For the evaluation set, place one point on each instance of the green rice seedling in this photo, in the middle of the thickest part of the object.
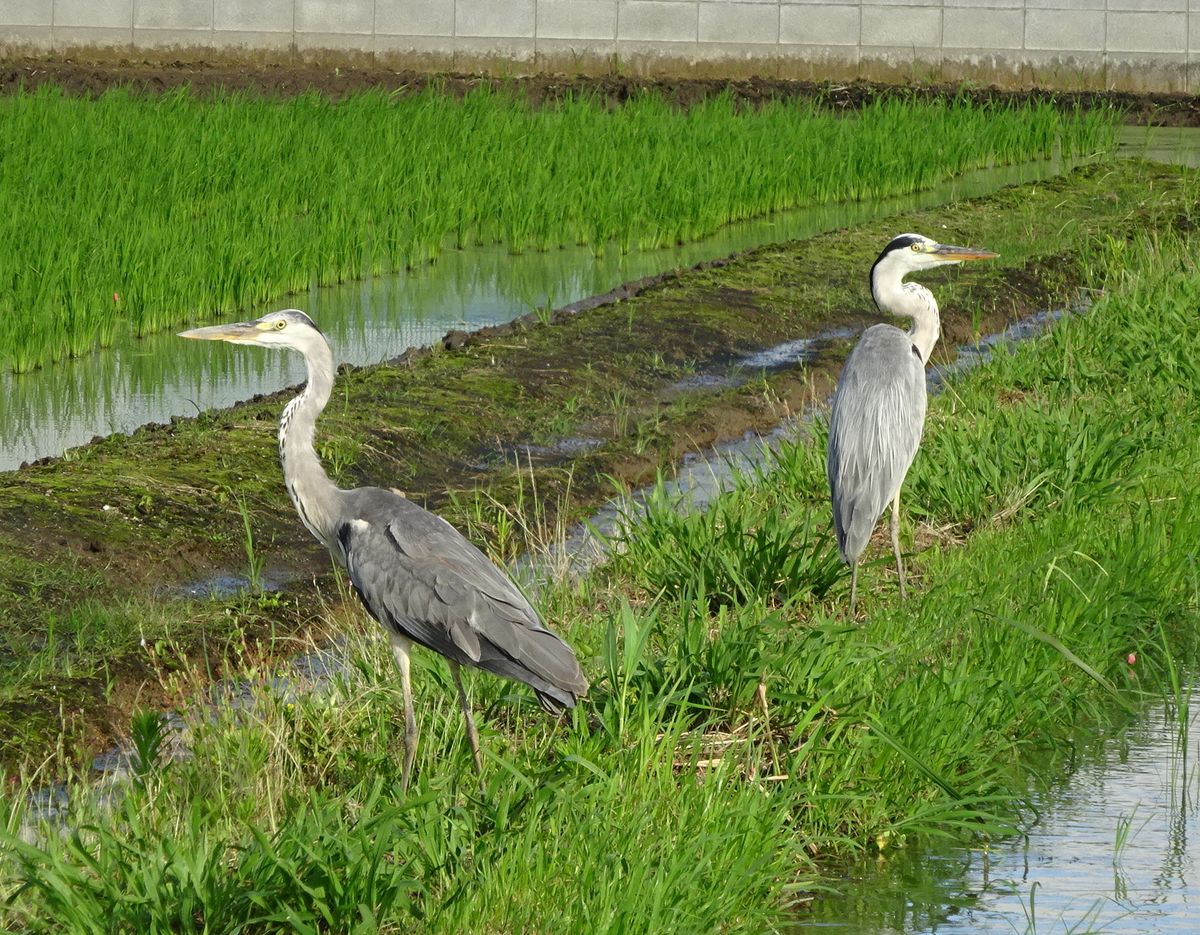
(147, 733)
(185, 208)
(254, 561)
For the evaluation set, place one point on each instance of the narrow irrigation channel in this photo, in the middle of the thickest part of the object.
(1115, 849)
(155, 378)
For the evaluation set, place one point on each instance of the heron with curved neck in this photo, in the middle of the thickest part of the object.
(878, 411)
(415, 573)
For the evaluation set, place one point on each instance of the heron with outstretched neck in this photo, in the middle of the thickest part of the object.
(415, 573)
(879, 405)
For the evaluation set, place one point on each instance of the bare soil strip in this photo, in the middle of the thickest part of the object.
(81, 76)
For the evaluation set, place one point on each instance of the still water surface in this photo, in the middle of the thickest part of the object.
(150, 380)
(1115, 849)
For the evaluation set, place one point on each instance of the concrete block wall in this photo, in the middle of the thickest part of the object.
(1144, 45)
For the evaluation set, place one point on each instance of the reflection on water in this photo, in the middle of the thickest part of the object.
(1116, 849)
(152, 379)
(1177, 145)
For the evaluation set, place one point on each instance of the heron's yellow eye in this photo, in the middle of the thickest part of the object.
(916, 248)
(280, 325)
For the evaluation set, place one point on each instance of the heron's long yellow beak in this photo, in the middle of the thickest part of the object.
(239, 332)
(947, 252)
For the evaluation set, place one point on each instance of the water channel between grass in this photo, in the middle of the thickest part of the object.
(1116, 848)
(139, 381)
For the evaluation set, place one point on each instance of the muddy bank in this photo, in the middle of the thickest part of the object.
(101, 548)
(83, 77)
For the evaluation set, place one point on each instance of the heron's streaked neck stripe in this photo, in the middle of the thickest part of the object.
(926, 325)
(307, 483)
(907, 300)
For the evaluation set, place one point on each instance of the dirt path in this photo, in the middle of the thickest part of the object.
(82, 77)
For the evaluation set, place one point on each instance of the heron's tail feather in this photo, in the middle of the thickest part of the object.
(556, 701)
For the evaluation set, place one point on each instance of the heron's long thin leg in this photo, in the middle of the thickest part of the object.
(896, 542)
(400, 647)
(853, 584)
(465, 702)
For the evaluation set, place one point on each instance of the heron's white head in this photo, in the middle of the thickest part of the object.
(909, 253)
(290, 328)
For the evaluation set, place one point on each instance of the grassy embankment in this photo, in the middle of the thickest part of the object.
(1056, 486)
(95, 549)
(193, 208)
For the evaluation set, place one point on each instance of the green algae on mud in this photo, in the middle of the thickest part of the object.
(125, 523)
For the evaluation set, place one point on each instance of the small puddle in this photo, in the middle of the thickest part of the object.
(150, 380)
(790, 353)
(739, 371)
(1115, 849)
(230, 584)
(559, 450)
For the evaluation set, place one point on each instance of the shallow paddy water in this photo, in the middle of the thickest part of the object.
(1115, 849)
(153, 379)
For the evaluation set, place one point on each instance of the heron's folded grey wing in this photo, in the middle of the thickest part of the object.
(417, 583)
(874, 431)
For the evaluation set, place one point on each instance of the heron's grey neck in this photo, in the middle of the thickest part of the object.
(908, 300)
(310, 488)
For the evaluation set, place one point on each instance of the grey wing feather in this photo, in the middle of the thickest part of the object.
(874, 430)
(420, 577)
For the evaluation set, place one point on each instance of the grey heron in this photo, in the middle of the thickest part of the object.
(415, 573)
(879, 405)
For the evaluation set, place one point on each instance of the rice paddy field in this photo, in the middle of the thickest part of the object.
(143, 213)
(742, 735)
